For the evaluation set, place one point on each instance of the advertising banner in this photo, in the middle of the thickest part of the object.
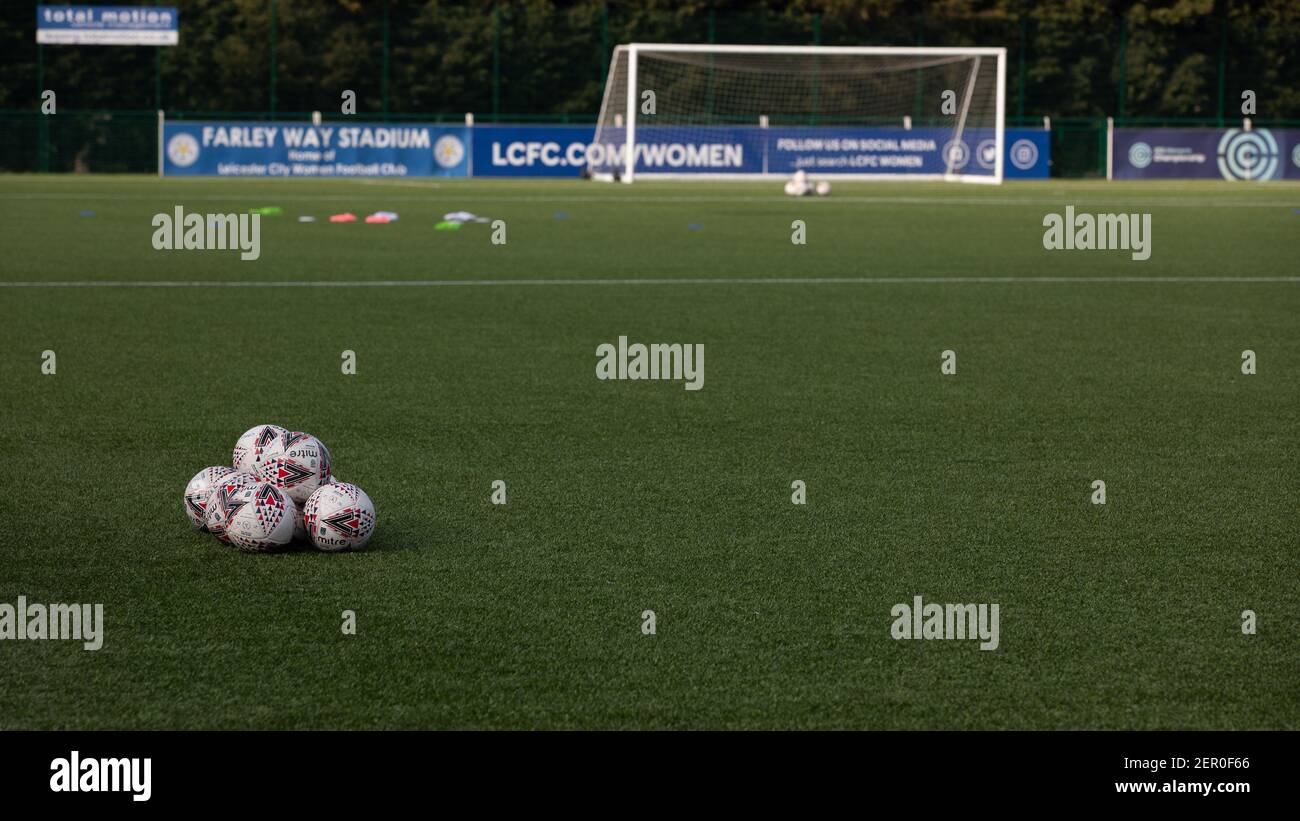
(107, 25)
(876, 151)
(564, 150)
(1206, 154)
(531, 150)
(285, 149)
(346, 149)
(1029, 154)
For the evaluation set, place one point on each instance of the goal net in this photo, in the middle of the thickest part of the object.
(756, 112)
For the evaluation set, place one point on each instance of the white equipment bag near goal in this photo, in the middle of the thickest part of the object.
(674, 111)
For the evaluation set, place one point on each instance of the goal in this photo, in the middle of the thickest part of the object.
(675, 111)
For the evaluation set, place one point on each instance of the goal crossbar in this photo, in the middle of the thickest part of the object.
(707, 100)
(940, 51)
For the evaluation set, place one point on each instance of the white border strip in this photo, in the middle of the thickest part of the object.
(1110, 149)
(162, 122)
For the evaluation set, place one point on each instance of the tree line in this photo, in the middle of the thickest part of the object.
(545, 59)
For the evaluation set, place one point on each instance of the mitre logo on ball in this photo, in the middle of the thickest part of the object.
(301, 465)
(263, 502)
(339, 516)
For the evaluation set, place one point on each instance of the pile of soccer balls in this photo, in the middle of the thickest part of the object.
(281, 488)
(800, 186)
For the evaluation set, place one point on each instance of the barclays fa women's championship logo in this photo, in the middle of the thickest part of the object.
(1248, 155)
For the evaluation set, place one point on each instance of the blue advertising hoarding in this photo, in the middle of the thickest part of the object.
(107, 25)
(346, 149)
(564, 150)
(531, 150)
(1205, 153)
(286, 149)
(873, 151)
(1029, 154)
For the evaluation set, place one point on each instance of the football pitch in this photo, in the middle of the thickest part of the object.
(476, 362)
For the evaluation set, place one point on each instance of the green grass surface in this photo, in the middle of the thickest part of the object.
(627, 496)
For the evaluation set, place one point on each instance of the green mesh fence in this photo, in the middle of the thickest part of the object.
(79, 141)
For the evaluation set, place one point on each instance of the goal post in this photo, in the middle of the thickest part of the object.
(678, 111)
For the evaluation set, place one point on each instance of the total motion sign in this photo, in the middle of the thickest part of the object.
(107, 25)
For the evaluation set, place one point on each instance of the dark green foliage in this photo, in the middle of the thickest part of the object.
(551, 57)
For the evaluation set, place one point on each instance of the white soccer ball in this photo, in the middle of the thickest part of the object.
(198, 491)
(339, 516)
(260, 517)
(258, 443)
(300, 525)
(218, 509)
(301, 465)
(798, 185)
(823, 188)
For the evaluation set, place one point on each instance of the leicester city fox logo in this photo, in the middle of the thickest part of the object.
(448, 151)
(183, 150)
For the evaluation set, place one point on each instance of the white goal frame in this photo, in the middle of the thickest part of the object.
(631, 50)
